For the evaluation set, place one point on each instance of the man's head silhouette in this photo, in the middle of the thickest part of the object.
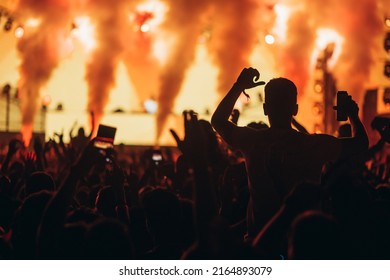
(280, 101)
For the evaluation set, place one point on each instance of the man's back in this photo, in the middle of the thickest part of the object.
(278, 159)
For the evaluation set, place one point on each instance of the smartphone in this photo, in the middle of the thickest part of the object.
(157, 157)
(342, 99)
(105, 137)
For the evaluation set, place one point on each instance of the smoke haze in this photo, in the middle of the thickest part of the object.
(111, 23)
(40, 52)
(235, 29)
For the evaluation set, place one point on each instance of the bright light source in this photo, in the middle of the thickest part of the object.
(283, 13)
(84, 31)
(387, 22)
(325, 37)
(269, 39)
(46, 100)
(19, 32)
(318, 87)
(33, 22)
(150, 106)
(145, 28)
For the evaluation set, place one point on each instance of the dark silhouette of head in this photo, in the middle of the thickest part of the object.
(29, 216)
(108, 239)
(280, 102)
(81, 132)
(315, 236)
(163, 213)
(39, 181)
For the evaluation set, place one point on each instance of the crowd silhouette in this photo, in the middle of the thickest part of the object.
(225, 192)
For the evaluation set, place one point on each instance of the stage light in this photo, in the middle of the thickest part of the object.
(329, 43)
(317, 109)
(33, 22)
(145, 28)
(386, 70)
(6, 89)
(46, 100)
(386, 43)
(387, 21)
(59, 107)
(8, 24)
(318, 88)
(150, 106)
(19, 32)
(386, 96)
(84, 31)
(269, 39)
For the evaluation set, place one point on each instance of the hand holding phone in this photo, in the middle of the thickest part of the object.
(341, 107)
(105, 137)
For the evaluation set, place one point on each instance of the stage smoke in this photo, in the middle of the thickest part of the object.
(142, 66)
(111, 24)
(295, 54)
(40, 50)
(359, 22)
(234, 35)
(183, 24)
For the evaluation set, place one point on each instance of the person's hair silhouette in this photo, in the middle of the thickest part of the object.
(280, 102)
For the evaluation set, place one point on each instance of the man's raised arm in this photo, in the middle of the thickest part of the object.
(248, 78)
(359, 142)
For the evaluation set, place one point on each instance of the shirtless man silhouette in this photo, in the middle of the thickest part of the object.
(279, 157)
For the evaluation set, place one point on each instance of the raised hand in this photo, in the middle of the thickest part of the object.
(352, 108)
(194, 144)
(13, 146)
(249, 78)
(30, 160)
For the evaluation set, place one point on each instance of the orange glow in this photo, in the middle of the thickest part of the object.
(27, 134)
(318, 88)
(387, 22)
(282, 15)
(46, 100)
(33, 22)
(326, 36)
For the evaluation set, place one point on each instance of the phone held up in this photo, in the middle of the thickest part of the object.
(105, 137)
(342, 100)
(157, 157)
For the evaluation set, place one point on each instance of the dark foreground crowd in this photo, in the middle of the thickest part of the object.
(205, 199)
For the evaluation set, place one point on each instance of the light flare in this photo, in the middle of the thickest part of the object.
(33, 22)
(283, 13)
(269, 39)
(27, 130)
(326, 36)
(19, 32)
(84, 32)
